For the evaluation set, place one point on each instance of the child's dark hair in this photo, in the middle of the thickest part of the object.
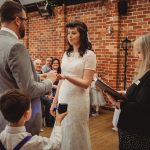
(13, 104)
(84, 41)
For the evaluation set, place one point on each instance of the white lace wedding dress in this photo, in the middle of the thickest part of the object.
(75, 127)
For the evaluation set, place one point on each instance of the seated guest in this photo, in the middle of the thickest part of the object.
(38, 68)
(47, 67)
(49, 119)
(45, 100)
(56, 67)
(16, 109)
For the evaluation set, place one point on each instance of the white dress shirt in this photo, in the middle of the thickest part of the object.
(11, 136)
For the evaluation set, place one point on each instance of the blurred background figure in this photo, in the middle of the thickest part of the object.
(47, 67)
(115, 119)
(57, 67)
(38, 68)
(49, 119)
(96, 97)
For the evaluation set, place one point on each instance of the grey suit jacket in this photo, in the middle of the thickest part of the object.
(17, 71)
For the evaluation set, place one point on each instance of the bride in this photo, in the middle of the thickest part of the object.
(78, 66)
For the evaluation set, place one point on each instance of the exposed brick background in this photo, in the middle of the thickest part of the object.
(47, 37)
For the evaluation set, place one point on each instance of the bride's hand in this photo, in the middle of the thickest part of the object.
(61, 76)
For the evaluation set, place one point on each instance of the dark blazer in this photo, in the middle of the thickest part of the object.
(17, 71)
(135, 111)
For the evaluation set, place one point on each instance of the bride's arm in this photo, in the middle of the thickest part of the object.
(84, 82)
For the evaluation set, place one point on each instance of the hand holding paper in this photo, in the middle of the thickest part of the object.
(105, 87)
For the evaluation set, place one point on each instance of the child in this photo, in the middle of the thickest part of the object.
(96, 97)
(16, 109)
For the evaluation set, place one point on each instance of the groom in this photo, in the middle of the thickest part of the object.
(16, 68)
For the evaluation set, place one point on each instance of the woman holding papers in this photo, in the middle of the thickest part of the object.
(134, 119)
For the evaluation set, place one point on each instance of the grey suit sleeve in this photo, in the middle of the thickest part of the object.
(20, 65)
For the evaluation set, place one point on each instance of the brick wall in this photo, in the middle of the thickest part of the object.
(47, 37)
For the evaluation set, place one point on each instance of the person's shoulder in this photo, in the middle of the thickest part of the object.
(65, 53)
(10, 42)
(145, 80)
(90, 53)
(146, 76)
(18, 48)
(18, 44)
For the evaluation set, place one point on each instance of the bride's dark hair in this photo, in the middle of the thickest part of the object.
(84, 41)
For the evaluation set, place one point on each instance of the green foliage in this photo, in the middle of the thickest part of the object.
(51, 3)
